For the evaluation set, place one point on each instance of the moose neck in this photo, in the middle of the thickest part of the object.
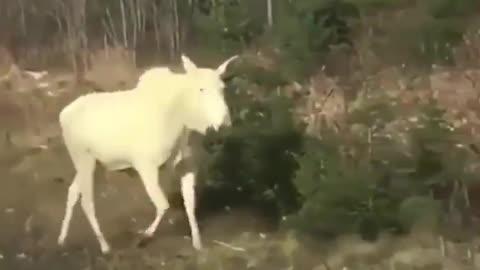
(192, 114)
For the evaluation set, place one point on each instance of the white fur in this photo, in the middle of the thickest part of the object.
(140, 128)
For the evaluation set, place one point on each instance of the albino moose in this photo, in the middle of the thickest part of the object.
(140, 129)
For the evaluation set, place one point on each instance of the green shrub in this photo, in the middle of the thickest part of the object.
(352, 184)
(340, 196)
(229, 25)
(451, 8)
(253, 162)
(359, 181)
(307, 30)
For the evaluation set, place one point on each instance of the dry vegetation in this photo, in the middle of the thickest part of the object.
(35, 173)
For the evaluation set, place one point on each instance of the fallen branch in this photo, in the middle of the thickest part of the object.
(229, 246)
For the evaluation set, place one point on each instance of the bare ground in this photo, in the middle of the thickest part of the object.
(32, 203)
(32, 206)
(32, 199)
(34, 189)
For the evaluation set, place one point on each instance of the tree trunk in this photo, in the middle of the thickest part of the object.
(74, 12)
(269, 14)
(174, 30)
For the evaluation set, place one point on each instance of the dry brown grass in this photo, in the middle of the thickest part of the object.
(112, 69)
(30, 107)
(251, 250)
(33, 113)
(467, 54)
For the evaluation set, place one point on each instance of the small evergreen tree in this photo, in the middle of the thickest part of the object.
(254, 161)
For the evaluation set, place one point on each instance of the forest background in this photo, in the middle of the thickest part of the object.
(350, 116)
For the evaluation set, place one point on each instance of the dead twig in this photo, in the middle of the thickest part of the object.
(229, 246)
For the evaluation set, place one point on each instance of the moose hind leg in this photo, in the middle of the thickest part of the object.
(87, 200)
(72, 199)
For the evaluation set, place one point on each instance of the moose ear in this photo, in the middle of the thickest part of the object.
(221, 69)
(188, 64)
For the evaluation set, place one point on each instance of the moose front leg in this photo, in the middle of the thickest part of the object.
(186, 167)
(188, 194)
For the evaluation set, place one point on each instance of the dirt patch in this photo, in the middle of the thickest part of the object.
(32, 202)
(32, 199)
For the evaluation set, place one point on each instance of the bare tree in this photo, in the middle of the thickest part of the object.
(73, 13)
(175, 30)
(269, 13)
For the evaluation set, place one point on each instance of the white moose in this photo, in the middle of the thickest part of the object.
(140, 128)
